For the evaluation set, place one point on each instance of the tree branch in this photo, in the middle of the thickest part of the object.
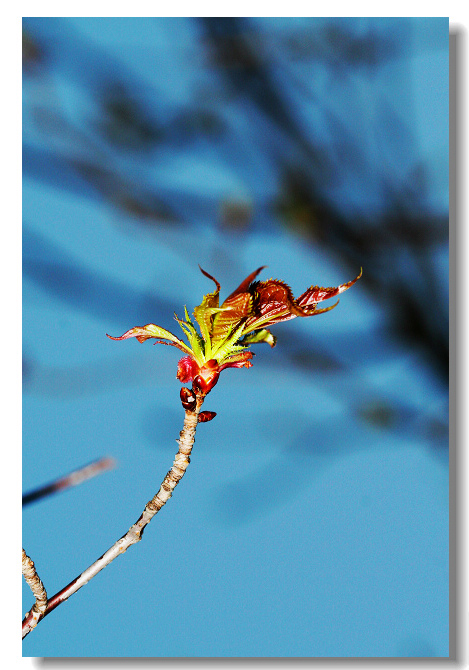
(39, 592)
(72, 479)
(134, 534)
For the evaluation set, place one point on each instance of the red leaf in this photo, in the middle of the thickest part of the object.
(210, 277)
(316, 294)
(244, 286)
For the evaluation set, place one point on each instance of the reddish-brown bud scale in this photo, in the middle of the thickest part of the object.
(206, 416)
(198, 385)
(188, 399)
(204, 386)
(207, 377)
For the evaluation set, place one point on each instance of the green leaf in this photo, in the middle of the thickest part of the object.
(188, 318)
(228, 346)
(204, 312)
(149, 331)
(195, 341)
(258, 336)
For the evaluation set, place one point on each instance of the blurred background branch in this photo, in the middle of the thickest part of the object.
(71, 479)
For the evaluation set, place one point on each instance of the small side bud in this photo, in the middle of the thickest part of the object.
(206, 416)
(188, 399)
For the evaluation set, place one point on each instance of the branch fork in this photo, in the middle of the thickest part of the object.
(43, 605)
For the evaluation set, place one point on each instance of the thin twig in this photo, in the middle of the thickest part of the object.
(72, 479)
(134, 534)
(39, 592)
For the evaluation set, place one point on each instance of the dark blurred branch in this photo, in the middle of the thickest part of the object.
(236, 51)
(395, 250)
(72, 479)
